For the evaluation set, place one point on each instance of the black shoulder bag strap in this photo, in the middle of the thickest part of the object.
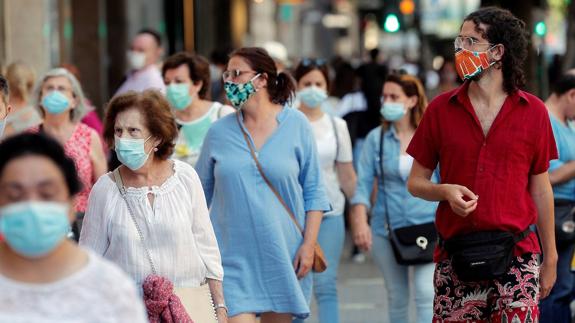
(380, 164)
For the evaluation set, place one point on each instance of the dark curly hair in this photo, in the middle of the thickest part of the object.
(502, 27)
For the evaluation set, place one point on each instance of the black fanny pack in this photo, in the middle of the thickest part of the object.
(482, 255)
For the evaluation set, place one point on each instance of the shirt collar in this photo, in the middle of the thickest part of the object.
(460, 94)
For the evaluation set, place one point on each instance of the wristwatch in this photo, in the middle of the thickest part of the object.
(221, 305)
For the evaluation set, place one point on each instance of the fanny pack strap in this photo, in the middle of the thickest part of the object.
(516, 238)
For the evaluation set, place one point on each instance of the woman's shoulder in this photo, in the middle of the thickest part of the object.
(374, 134)
(105, 185)
(225, 121)
(184, 170)
(222, 110)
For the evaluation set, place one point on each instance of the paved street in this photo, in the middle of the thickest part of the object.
(361, 293)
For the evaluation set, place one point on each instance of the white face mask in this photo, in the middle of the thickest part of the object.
(136, 60)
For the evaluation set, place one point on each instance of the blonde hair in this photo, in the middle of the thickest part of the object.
(80, 110)
(21, 78)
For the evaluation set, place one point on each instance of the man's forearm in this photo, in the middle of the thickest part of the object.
(425, 189)
(545, 222)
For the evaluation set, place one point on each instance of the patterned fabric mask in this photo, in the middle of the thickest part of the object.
(470, 64)
(239, 93)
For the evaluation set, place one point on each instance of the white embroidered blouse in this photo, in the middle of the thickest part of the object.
(177, 229)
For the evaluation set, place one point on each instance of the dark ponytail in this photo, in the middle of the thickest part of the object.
(281, 87)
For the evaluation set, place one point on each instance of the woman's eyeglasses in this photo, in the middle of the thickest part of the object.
(233, 74)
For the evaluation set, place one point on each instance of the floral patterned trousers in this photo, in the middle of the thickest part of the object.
(511, 298)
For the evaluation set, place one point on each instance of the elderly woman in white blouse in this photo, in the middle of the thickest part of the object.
(164, 197)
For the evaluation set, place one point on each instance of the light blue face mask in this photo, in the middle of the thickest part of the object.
(239, 93)
(55, 102)
(131, 152)
(392, 111)
(312, 96)
(33, 229)
(178, 94)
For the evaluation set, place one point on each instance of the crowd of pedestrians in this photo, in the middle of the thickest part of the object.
(189, 208)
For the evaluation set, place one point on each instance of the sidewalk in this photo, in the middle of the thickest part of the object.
(361, 292)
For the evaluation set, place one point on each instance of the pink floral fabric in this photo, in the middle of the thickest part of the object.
(162, 305)
(512, 298)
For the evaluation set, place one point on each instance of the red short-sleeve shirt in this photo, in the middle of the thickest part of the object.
(496, 167)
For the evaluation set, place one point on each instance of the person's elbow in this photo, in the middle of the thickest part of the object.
(412, 186)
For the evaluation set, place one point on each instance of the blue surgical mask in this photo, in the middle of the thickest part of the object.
(131, 152)
(178, 94)
(312, 96)
(33, 229)
(239, 93)
(55, 102)
(392, 111)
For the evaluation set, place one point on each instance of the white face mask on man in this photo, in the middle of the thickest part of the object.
(136, 60)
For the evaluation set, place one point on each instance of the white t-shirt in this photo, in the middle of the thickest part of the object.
(327, 147)
(405, 163)
(99, 292)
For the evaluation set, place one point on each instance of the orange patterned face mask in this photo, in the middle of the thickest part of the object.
(470, 64)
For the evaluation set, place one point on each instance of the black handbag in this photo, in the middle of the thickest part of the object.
(482, 255)
(564, 221)
(412, 245)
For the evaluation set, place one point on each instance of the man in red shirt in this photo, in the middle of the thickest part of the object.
(493, 143)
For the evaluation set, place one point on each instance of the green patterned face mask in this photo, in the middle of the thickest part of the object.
(239, 93)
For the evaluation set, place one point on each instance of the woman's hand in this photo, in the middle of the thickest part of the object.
(304, 259)
(222, 315)
(361, 231)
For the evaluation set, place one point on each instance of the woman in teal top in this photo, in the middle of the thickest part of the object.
(561, 104)
(187, 79)
(266, 259)
(403, 104)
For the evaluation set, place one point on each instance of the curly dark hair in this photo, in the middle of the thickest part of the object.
(502, 27)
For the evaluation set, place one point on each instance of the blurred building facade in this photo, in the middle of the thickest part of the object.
(95, 34)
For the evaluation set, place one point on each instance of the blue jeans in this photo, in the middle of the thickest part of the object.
(555, 308)
(330, 238)
(397, 283)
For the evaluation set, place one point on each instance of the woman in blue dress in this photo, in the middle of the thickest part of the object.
(403, 103)
(266, 259)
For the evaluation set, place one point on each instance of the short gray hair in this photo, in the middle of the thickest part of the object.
(4, 89)
(80, 110)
